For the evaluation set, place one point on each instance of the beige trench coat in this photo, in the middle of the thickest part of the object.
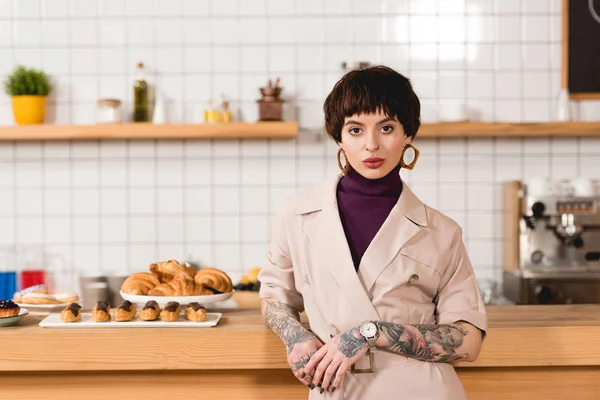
(310, 267)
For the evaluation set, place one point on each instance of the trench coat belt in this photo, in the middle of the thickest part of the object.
(381, 359)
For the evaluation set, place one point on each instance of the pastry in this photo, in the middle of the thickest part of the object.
(38, 298)
(8, 309)
(177, 287)
(150, 311)
(215, 279)
(170, 270)
(66, 297)
(125, 312)
(171, 312)
(71, 313)
(195, 312)
(101, 312)
(139, 283)
(31, 289)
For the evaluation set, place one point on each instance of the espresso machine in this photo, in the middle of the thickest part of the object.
(551, 247)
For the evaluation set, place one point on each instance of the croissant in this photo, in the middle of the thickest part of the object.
(169, 270)
(176, 287)
(139, 283)
(214, 278)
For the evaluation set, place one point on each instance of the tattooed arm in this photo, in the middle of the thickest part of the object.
(460, 341)
(284, 321)
(300, 343)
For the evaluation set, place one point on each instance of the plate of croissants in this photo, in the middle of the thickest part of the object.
(169, 281)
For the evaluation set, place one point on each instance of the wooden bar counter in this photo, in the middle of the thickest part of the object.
(531, 352)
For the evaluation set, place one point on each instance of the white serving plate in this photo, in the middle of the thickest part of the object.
(8, 321)
(162, 301)
(53, 321)
(44, 307)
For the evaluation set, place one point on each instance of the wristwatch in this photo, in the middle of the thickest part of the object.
(369, 331)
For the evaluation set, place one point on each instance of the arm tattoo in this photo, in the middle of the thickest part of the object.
(438, 343)
(284, 320)
(351, 342)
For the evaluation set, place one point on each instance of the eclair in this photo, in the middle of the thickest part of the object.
(150, 311)
(125, 312)
(101, 312)
(195, 312)
(71, 313)
(171, 312)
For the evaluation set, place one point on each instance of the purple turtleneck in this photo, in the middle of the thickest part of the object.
(364, 205)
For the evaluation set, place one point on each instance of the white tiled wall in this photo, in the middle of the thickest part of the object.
(118, 205)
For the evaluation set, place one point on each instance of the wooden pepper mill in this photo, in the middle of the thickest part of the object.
(270, 107)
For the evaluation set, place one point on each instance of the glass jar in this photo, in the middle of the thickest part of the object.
(108, 111)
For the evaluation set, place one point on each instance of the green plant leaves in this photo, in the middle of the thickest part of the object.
(27, 81)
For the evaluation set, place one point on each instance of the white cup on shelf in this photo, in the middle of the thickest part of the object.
(538, 187)
(583, 187)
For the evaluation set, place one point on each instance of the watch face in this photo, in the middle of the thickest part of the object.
(368, 330)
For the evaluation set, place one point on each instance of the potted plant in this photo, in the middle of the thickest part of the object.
(29, 89)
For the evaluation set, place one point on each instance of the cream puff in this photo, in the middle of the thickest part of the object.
(150, 311)
(64, 298)
(195, 312)
(171, 312)
(125, 312)
(71, 313)
(101, 312)
(38, 298)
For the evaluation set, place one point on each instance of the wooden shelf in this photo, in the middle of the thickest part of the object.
(481, 129)
(150, 131)
(283, 130)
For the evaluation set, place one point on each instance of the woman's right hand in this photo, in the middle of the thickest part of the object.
(300, 347)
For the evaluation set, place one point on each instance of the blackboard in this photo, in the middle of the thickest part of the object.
(581, 48)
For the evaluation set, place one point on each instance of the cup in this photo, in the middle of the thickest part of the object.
(583, 187)
(32, 277)
(453, 111)
(114, 287)
(538, 187)
(93, 289)
(8, 284)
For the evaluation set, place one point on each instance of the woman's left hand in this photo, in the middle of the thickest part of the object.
(331, 362)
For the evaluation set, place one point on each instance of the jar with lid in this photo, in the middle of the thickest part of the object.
(108, 111)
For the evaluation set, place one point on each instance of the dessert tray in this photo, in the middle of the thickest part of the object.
(53, 321)
(8, 321)
(140, 300)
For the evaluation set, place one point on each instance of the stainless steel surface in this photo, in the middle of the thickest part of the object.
(559, 231)
(93, 289)
(560, 273)
(558, 244)
(113, 287)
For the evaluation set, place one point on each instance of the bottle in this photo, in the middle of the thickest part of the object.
(160, 113)
(225, 113)
(563, 111)
(210, 114)
(140, 96)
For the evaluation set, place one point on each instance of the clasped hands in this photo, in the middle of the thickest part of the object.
(323, 366)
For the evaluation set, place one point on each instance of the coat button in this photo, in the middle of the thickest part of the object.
(413, 278)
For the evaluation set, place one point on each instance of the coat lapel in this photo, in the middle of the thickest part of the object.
(326, 234)
(402, 224)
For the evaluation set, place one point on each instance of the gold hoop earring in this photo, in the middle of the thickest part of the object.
(412, 164)
(346, 167)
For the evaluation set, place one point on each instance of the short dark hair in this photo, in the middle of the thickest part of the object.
(369, 90)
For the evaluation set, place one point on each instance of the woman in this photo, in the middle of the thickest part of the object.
(384, 279)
